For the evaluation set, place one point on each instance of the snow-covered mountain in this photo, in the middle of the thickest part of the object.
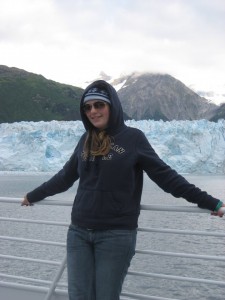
(215, 94)
(187, 146)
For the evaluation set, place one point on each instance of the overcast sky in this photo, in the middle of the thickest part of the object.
(72, 41)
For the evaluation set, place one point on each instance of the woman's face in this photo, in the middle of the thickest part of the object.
(97, 113)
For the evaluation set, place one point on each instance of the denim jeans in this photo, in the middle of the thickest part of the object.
(97, 262)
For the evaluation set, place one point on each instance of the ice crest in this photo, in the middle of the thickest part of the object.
(187, 146)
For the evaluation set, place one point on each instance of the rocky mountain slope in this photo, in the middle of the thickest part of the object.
(161, 96)
(219, 114)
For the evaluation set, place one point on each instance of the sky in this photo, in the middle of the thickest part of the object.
(72, 41)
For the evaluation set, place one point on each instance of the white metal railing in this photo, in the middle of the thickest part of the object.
(56, 285)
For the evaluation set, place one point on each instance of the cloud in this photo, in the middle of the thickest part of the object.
(70, 41)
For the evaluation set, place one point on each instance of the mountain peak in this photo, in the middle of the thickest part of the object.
(161, 96)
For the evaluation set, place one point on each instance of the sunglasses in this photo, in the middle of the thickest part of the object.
(97, 105)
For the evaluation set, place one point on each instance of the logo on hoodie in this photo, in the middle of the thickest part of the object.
(116, 148)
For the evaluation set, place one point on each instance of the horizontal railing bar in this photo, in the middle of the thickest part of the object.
(184, 255)
(47, 282)
(183, 232)
(141, 229)
(176, 208)
(179, 278)
(3, 237)
(34, 221)
(44, 202)
(140, 296)
(168, 208)
(23, 286)
(49, 262)
(31, 287)
(148, 252)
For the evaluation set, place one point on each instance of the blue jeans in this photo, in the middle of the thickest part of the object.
(97, 262)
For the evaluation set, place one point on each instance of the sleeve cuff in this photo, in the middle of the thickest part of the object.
(220, 203)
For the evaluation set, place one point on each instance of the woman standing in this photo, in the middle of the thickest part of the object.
(109, 162)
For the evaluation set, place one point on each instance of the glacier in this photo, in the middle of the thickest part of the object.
(187, 146)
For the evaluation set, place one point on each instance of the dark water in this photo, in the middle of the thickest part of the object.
(16, 185)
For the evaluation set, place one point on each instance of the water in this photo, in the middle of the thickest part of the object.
(16, 185)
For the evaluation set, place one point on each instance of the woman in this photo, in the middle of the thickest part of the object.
(109, 161)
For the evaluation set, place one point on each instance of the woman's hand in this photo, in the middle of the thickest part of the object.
(220, 212)
(25, 202)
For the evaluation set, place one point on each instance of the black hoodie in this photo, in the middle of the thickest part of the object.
(109, 190)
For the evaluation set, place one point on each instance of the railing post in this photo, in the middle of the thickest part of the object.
(56, 279)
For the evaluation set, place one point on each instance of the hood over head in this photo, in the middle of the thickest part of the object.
(116, 120)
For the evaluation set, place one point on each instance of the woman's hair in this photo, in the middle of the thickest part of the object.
(97, 143)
